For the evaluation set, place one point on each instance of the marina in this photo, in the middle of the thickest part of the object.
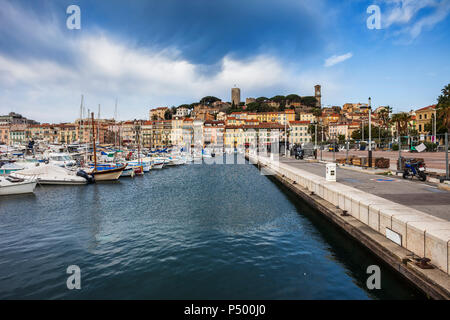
(196, 231)
(225, 155)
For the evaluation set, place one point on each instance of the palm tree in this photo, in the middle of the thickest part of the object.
(443, 107)
(384, 116)
(401, 120)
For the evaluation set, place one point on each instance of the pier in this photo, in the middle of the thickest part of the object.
(403, 226)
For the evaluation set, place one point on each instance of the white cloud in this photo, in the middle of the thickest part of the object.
(412, 16)
(333, 60)
(102, 68)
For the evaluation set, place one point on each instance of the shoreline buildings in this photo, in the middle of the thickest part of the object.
(216, 124)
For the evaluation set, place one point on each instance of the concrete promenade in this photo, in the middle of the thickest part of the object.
(380, 204)
(423, 196)
(435, 161)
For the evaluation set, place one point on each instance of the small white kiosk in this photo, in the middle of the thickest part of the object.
(331, 172)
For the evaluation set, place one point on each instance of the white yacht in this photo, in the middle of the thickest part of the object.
(11, 185)
(61, 159)
(51, 174)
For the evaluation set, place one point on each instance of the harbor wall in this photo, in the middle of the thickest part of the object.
(396, 226)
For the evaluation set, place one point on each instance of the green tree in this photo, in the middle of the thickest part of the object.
(208, 100)
(317, 112)
(168, 114)
(279, 99)
(443, 111)
(293, 98)
(261, 99)
(384, 116)
(401, 120)
(376, 133)
(309, 101)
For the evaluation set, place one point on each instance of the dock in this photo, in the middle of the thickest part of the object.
(405, 223)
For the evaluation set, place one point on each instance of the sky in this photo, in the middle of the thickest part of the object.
(156, 53)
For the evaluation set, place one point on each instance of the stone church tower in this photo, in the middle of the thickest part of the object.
(236, 96)
(318, 95)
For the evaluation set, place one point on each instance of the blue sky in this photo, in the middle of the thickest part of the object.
(163, 53)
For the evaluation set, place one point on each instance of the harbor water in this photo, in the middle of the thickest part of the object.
(185, 232)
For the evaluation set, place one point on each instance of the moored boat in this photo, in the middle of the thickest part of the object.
(104, 172)
(127, 172)
(9, 168)
(11, 185)
(51, 174)
(157, 165)
(107, 173)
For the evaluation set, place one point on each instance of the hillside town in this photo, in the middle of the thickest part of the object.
(297, 119)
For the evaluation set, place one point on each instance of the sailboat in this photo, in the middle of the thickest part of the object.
(103, 172)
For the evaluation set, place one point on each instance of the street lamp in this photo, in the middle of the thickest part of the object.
(315, 135)
(370, 131)
(285, 136)
(434, 127)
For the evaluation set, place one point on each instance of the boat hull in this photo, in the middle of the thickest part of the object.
(62, 182)
(108, 175)
(158, 166)
(127, 173)
(19, 188)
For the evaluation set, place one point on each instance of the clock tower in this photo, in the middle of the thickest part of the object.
(318, 95)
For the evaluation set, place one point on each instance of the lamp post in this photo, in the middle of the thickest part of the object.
(362, 130)
(315, 135)
(285, 136)
(434, 127)
(370, 132)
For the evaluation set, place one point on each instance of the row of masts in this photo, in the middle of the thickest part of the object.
(83, 115)
(82, 111)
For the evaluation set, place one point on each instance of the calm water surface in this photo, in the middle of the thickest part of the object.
(189, 232)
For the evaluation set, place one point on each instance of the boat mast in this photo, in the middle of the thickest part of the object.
(115, 126)
(98, 127)
(139, 144)
(93, 139)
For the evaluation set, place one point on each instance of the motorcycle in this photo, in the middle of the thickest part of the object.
(299, 154)
(415, 169)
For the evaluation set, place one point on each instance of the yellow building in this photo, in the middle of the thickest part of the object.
(282, 117)
(67, 133)
(423, 117)
(298, 133)
(233, 136)
(4, 135)
(307, 116)
(158, 113)
(45, 132)
(330, 118)
(250, 135)
(176, 135)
